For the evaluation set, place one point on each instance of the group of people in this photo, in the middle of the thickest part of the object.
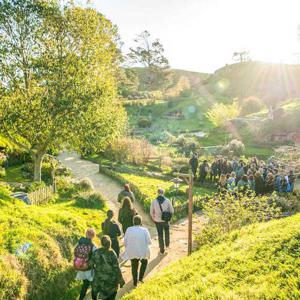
(99, 267)
(256, 175)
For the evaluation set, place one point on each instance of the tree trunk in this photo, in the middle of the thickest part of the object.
(38, 159)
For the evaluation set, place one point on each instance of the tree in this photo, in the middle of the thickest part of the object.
(241, 56)
(128, 82)
(150, 54)
(58, 66)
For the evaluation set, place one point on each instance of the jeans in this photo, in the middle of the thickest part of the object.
(84, 289)
(134, 269)
(163, 239)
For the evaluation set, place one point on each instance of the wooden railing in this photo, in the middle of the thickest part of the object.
(42, 195)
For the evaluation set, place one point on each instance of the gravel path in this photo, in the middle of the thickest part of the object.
(110, 189)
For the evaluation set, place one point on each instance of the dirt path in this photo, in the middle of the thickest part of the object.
(110, 189)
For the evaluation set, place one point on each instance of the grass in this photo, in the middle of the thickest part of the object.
(45, 271)
(15, 174)
(259, 261)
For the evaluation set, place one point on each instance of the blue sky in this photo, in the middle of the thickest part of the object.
(201, 35)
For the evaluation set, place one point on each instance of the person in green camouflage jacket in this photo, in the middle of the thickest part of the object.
(107, 276)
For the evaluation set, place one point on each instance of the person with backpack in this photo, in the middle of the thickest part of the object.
(112, 229)
(126, 193)
(126, 214)
(107, 275)
(161, 211)
(82, 253)
(137, 240)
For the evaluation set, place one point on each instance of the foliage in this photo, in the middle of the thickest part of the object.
(58, 66)
(289, 202)
(35, 186)
(85, 185)
(151, 55)
(234, 147)
(133, 150)
(45, 270)
(90, 200)
(128, 82)
(144, 123)
(2, 172)
(260, 261)
(251, 105)
(228, 212)
(220, 113)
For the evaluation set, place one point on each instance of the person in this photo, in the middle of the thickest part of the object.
(126, 214)
(269, 183)
(222, 184)
(126, 193)
(86, 276)
(278, 182)
(159, 205)
(194, 164)
(112, 229)
(214, 171)
(292, 179)
(108, 275)
(231, 182)
(240, 171)
(259, 183)
(251, 182)
(137, 240)
(243, 184)
(204, 168)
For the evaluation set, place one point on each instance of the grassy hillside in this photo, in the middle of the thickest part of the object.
(256, 79)
(45, 270)
(261, 261)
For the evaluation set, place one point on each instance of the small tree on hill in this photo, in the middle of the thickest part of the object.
(58, 66)
(241, 56)
(150, 54)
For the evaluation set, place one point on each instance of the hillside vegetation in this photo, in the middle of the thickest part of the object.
(45, 270)
(260, 261)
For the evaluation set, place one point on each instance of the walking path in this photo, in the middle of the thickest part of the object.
(110, 188)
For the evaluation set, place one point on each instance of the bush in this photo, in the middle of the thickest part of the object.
(85, 185)
(220, 113)
(289, 202)
(2, 172)
(65, 186)
(234, 147)
(251, 105)
(90, 200)
(228, 212)
(35, 186)
(144, 123)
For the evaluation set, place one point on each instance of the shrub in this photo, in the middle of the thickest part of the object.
(144, 123)
(251, 105)
(228, 212)
(2, 172)
(35, 186)
(234, 147)
(85, 185)
(65, 186)
(289, 202)
(220, 113)
(90, 200)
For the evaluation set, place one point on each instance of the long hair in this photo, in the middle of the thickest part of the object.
(127, 204)
(106, 242)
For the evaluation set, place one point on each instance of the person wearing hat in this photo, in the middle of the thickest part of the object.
(126, 193)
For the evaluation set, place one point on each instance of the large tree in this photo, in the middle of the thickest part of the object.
(150, 54)
(58, 67)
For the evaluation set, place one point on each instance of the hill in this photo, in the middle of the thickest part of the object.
(44, 271)
(256, 79)
(261, 261)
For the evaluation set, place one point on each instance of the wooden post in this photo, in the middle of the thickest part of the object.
(190, 215)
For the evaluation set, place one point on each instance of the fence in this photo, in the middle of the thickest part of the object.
(42, 195)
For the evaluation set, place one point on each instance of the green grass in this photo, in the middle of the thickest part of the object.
(260, 261)
(15, 174)
(260, 152)
(45, 272)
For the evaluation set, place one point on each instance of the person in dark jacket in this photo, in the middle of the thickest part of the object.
(292, 179)
(259, 183)
(112, 229)
(126, 193)
(214, 171)
(108, 276)
(126, 214)
(194, 164)
(269, 183)
(204, 168)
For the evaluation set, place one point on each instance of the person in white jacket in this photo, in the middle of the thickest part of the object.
(137, 240)
(159, 205)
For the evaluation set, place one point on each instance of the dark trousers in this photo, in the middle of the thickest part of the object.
(134, 269)
(115, 245)
(84, 289)
(111, 297)
(163, 231)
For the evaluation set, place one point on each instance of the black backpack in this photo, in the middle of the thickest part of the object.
(165, 215)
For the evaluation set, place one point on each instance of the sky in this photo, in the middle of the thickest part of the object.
(202, 35)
